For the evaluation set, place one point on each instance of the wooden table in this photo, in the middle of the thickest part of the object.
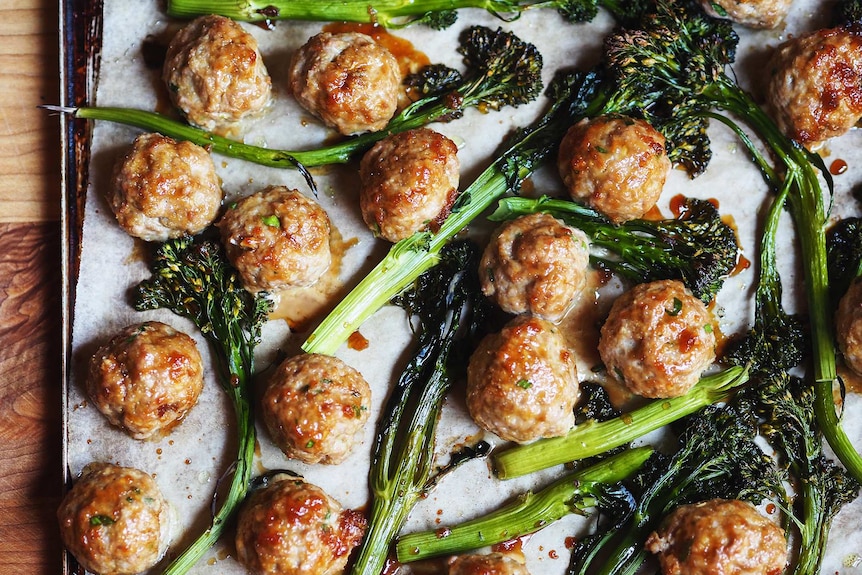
(30, 349)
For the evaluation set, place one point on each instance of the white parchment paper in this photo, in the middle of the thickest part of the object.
(188, 463)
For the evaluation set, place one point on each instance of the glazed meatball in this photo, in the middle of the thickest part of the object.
(535, 264)
(719, 537)
(490, 564)
(751, 13)
(314, 406)
(215, 73)
(815, 87)
(146, 379)
(409, 182)
(114, 520)
(164, 189)
(614, 164)
(522, 383)
(347, 80)
(291, 527)
(658, 339)
(848, 326)
(277, 239)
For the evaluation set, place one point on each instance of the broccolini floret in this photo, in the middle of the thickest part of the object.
(192, 278)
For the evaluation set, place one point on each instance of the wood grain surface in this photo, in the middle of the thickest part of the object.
(30, 394)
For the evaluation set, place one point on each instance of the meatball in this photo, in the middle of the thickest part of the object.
(146, 379)
(277, 239)
(535, 264)
(314, 406)
(848, 326)
(815, 86)
(164, 189)
(614, 164)
(409, 182)
(215, 73)
(658, 339)
(490, 564)
(719, 537)
(347, 80)
(522, 383)
(293, 527)
(114, 520)
(751, 13)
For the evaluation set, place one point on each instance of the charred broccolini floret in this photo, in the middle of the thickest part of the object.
(501, 70)
(717, 458)
(696, 248)
(437, 14)
(191, 277)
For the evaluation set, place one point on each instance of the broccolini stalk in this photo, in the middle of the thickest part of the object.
(401, 465)
(411, 256)
(192, 278)
(594, 437)
(717, 458)
(822, 488)
(696, 248)
(501, 70)
(594, 486)
(437, 14)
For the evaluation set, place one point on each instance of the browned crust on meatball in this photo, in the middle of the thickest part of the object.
(535, 264)
(658, 339)
(522, 383)
(815, 86)
(409, 182)
(164, 189)
(719, 537)
(277, 239)
(314, 406)
(848, 326)
(114, 520)
(751, 13)
(146, 379)
(490, 564)
(215, 73)
(347, 80)
(292, 527)
(615, 164)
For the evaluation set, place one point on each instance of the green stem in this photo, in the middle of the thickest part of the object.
(593, 437)
(531, 512)
(386, 13)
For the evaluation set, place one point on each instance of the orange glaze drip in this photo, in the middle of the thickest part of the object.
(410, 60)
(570, 542)
(357, 342)
(742, 264)
(654, 214)
(838, 167)
(512, 545)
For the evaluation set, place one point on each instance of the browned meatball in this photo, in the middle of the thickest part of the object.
(658, 339)
(347, 80)
(490, 564)
(276, 239)
(314, 406)
(614, 164)
(751, 13)
(848, 326)
(292, 527)
(815, 87)
(719, 537)
(215, 73)
(535, 264)
(114, 520)
(409, 182)
(146, 379)
(522, 383)
(164, 189)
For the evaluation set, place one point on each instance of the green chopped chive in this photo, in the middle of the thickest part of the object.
(524, 384)
(677, 307)
(272, 221)
(101, 520)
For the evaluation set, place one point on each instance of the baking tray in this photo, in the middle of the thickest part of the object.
(88, 66)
